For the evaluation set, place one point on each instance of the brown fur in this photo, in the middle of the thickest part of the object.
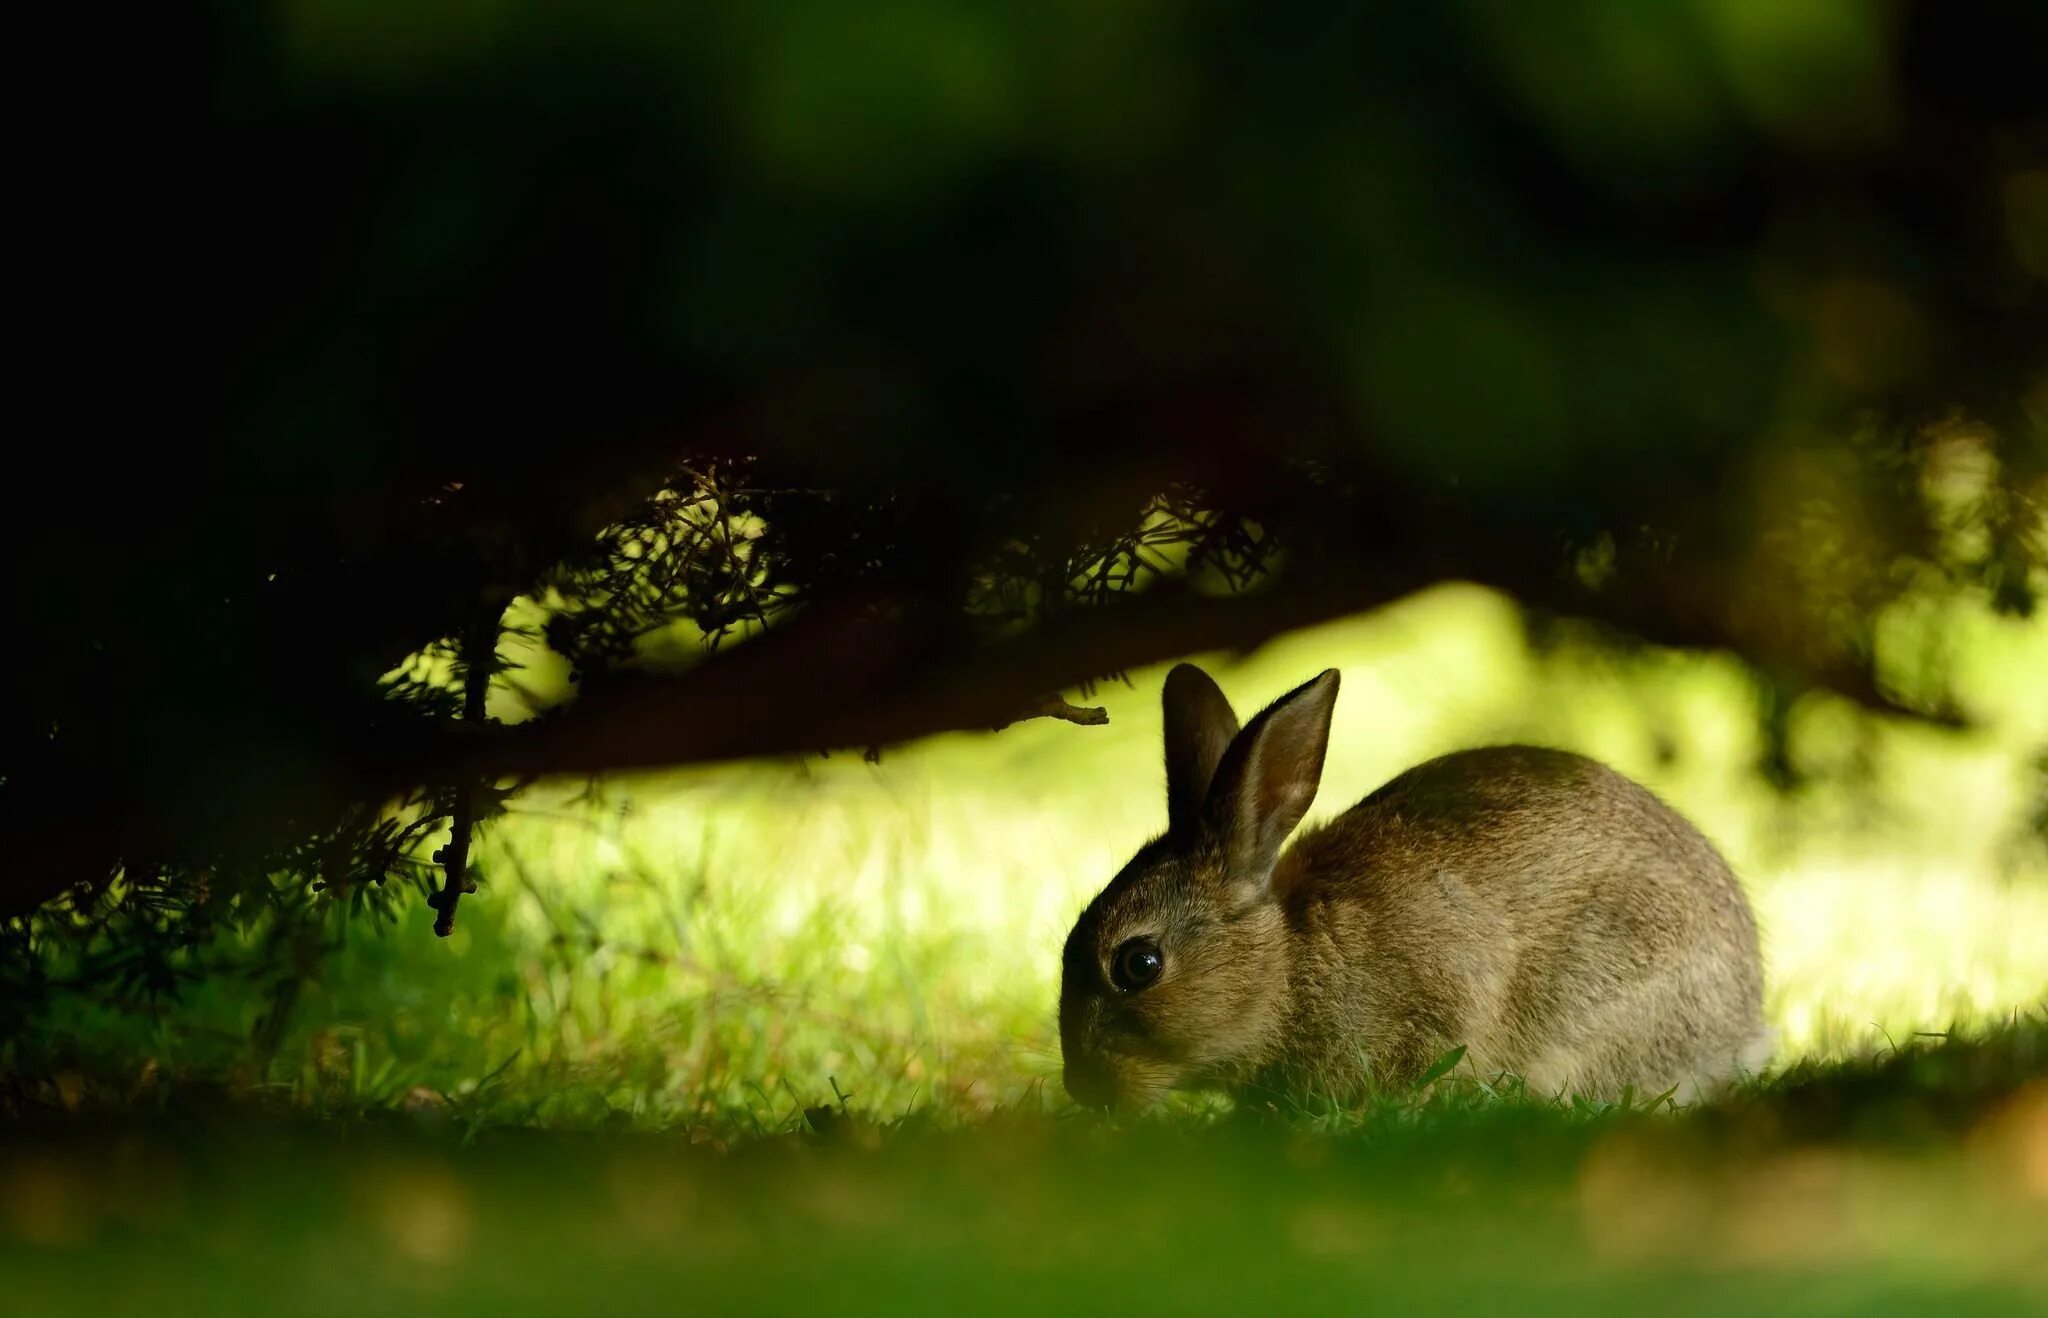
(1546, 912)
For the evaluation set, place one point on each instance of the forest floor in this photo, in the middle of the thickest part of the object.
(1911, 1183)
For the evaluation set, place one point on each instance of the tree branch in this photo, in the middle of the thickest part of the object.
(878, 666)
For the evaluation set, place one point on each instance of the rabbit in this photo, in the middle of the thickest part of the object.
(1545, 912)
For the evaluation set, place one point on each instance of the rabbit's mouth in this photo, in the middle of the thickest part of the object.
(1089, 1084)
(1099, 1081)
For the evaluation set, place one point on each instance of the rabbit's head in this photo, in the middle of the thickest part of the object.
(1177, 973)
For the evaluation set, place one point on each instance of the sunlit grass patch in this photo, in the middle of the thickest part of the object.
(1860, 954)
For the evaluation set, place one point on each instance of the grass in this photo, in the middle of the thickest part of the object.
(1916, 1182)
(619, 1082)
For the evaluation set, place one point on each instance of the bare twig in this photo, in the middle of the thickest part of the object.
(1055, 706)
(479, 654)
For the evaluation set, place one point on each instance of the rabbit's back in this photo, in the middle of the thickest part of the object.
(1543, 910)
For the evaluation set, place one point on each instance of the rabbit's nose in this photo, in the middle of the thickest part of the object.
(1088, 1082)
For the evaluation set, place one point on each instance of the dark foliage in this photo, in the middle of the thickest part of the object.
(964, 357)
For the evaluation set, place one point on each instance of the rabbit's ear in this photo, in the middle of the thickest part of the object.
(1268, 778)
(1199, 726)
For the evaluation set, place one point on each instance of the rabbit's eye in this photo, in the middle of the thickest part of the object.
(1137, 964)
